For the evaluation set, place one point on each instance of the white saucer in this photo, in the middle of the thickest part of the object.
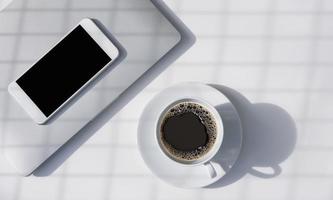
(161, 165)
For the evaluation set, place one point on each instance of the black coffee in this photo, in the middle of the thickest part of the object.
(188, 131)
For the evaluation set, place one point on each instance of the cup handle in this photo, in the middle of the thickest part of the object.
(215, 170)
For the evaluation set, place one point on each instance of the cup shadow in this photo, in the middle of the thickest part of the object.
(187, 39)
(269, 137)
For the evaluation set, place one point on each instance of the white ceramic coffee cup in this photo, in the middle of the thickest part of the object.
(207, 159)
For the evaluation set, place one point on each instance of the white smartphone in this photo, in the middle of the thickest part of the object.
(75, 61)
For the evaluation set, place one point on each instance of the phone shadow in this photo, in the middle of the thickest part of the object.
(269, 138)
(187, 39)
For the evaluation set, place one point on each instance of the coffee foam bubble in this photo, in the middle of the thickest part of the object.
(207, 120)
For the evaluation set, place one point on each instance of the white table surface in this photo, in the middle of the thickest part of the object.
(273, 51)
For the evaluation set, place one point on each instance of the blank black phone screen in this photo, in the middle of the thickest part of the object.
(63, 70)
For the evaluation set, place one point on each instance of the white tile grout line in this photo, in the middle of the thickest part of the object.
(17, 44)
(113, 135)
(222, 41)
(270, 22)
(63, 179)
(311, 70)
